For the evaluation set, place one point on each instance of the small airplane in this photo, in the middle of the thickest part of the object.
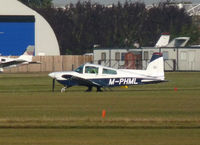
(92, 75)
(26, 58)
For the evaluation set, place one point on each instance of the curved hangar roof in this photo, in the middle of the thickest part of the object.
(21, 27)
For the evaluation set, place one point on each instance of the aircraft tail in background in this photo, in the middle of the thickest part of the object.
(30, 50)
(163, 40)
(28, 54)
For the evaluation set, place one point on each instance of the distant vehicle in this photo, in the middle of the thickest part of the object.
(26, 58)
(91, 75)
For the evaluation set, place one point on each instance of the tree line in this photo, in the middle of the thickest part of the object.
(82, 25)
(37, 3)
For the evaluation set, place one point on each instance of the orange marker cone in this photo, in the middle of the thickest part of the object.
(175, 89)
(103, 113)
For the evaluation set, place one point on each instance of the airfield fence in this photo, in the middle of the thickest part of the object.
(52, 63)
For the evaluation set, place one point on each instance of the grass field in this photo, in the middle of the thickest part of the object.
(142, 115)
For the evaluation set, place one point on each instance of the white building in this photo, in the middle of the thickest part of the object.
(20, 26)
(176, 56)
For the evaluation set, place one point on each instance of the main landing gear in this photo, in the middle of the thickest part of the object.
(90, 89)
(99, 89)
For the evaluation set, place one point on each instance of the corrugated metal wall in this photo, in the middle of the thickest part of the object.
(52, 63)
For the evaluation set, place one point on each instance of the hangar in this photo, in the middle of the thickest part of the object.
(20, 27)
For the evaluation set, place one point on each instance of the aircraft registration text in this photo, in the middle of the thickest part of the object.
(123, 81)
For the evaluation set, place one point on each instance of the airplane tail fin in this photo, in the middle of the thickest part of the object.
(28, 54)
(29, 50)
(156, 66)
(163, 40)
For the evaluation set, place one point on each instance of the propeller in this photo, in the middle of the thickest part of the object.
(53, 85)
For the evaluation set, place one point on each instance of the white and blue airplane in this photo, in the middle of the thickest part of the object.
(24, 59)
(92, 75)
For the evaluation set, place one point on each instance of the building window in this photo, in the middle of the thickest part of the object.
(103, 56)
(146, 55)
(123, 56)
(117, 56)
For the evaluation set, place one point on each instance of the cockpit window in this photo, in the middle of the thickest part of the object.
(79, 69)
(91, 69)
(109, 71)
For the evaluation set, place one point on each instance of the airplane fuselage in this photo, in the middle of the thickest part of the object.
(99, 76)
(110, 78)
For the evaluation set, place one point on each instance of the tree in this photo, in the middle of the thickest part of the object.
(37, 3)
(84, 24)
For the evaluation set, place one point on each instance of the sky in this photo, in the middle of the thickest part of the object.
(64, 2)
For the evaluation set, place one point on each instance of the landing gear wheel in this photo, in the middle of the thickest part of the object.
(89, 89)
(99, 89)
(63, 89)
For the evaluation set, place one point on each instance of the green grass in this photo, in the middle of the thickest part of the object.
(148, 114)
(99, 137)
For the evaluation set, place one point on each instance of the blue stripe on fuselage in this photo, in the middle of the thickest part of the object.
(112, 82)
(68, 82)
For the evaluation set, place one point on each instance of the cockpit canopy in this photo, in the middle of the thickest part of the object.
(95, 69)
(79, 69)
(91, 69)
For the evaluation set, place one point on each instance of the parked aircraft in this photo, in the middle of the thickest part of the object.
(26, 58)
(163, 40)
(98, 76)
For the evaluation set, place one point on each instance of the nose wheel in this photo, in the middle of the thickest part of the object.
(63, 89)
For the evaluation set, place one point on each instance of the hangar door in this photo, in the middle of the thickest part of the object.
(16, 34)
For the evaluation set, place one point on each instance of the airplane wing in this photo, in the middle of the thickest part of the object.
(81, 81)
(35, 62)
(14, 62)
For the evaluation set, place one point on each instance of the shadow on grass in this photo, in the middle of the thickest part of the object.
(24, 89)
(99, 127)
(130, 90)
